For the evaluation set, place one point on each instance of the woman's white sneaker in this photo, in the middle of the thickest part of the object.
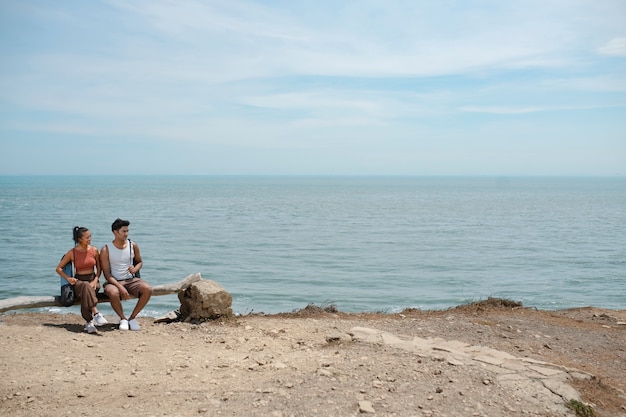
(99, 320)
(90, 327)
(123, 324)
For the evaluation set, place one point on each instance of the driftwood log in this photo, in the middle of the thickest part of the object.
(17, 303)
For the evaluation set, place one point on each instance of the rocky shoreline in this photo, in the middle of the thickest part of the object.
(483, 359)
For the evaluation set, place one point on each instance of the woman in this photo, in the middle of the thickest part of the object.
(86, 283)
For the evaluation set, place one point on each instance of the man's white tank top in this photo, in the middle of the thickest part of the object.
(120, 260)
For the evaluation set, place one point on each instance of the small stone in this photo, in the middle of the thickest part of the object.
(366, 407)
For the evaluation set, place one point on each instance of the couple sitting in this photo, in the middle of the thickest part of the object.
(120, 264)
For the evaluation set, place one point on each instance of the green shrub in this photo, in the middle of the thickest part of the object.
(581, 410)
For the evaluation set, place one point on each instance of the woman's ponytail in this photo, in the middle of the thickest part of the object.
(78, 233)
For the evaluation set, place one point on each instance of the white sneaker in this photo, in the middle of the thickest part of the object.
(99, 320)
(123, 324)
(134, 325)
(90, 327)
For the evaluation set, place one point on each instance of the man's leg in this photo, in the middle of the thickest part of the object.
(145, 292)
(113, 294)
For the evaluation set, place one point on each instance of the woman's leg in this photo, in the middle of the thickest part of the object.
(88, 299)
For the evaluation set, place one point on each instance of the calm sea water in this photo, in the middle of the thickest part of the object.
(358, 243)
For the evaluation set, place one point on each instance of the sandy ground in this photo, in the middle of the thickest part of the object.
(307, 364)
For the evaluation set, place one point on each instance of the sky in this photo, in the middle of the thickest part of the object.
(313, 87)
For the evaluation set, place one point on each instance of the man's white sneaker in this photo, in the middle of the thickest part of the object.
(123, 324)
(134, 325)
(90, 327)
(99, 320)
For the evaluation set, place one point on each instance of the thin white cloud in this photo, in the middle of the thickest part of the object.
(532, 109)
(313, 100)
(615, 47)
(599, 84)
(52, 127)
(192, 21)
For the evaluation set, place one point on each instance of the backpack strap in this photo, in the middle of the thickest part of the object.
(132, 257)
(73, 263)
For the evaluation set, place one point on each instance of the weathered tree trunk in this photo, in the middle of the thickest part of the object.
(17, 303)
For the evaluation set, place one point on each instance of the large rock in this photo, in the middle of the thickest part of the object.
(205, 299)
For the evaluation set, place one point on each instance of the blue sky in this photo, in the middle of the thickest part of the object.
(313, 87)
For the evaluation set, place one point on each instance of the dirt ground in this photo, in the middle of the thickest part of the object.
(303, 364)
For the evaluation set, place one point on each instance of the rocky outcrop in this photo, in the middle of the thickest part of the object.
(205, 300)
(541, 383)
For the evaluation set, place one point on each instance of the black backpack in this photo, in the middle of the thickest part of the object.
(67, 290)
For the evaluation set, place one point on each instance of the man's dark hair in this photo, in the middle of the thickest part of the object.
(118, 223)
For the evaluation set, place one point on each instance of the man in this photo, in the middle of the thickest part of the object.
(121, 263)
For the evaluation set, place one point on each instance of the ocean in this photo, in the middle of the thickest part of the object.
(361, 244)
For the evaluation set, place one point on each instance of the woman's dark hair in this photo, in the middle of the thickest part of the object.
(78, 233)
(118, 223)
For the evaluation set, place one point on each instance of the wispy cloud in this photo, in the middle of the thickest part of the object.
(615, 47)
(534, 109)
